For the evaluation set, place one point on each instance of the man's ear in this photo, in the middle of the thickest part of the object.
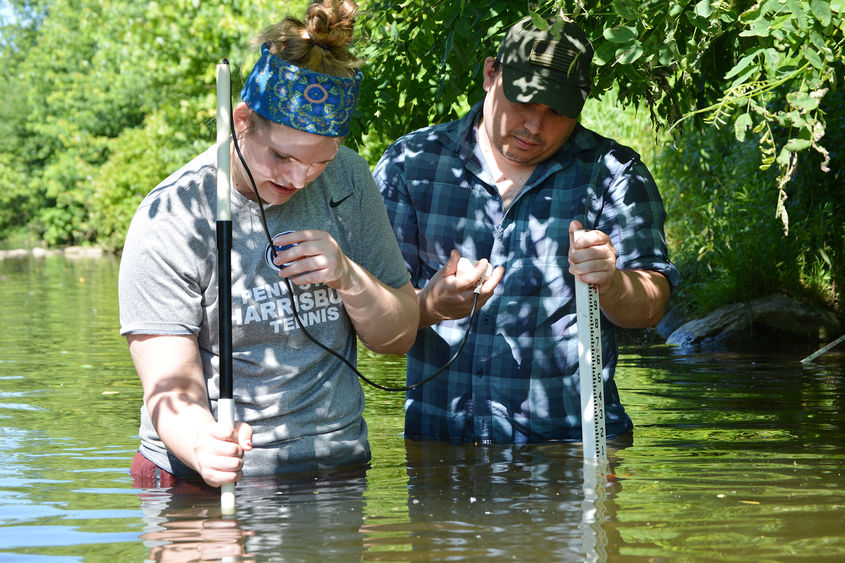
(488, 72)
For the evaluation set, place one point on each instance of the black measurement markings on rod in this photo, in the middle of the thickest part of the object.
(596, 365)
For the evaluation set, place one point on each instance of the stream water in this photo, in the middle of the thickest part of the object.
(736, 457)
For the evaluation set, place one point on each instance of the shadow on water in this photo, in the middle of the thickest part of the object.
(735, 457)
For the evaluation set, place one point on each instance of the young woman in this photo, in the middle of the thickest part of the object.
(297, 406)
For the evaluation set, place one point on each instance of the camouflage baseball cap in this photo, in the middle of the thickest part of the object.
(547, 67)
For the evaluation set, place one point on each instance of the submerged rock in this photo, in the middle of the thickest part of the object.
(670, 322)
(773, 320)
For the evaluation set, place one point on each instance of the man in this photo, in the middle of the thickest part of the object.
(508, 184)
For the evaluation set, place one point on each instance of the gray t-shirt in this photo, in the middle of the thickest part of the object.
(304, 405)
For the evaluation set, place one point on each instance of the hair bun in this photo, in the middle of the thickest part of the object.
(331, 23)
(321, 42)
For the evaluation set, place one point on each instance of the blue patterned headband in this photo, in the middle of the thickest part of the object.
(301, 98)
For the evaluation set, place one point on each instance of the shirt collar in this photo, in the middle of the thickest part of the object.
(462, 138)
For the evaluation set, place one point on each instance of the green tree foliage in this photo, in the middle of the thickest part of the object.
(424, 63)
(105, 98)
(756, 66)
(725, 238)
(753, 92)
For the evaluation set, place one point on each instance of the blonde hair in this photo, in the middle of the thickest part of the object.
(320, 43)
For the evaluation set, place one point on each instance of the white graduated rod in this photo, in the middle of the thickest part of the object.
(590, 365)
(225, 403)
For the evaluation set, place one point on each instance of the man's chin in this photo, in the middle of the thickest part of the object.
(521, 158)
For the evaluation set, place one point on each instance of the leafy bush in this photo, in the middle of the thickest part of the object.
(17, 207)
(141, 159)
(722, 230)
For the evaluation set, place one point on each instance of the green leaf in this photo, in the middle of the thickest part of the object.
(742, 123)
(742, 79)
(605, 53)
(539, 22)
(755, 107)
(813, 57)
(783, 158)
(795, 145)
(821, 11)
(703, 9)
(621, 34)
(699, 22)
(667, 54)
(742, 64)
(818, 41)
(628, 54)
(626, 9)
(791, 119)
(759, 28)
(773, 58)
(797, 8)
(729, 16)
(802, 101)
(750, 15)
(825, 257)
(783, 21)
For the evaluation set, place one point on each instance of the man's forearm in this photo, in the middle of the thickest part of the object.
(635, 299)
(427, 314)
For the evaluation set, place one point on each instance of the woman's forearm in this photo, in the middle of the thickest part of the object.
(385, 318)
(174, 390)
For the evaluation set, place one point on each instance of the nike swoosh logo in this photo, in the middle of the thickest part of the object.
(334, 203)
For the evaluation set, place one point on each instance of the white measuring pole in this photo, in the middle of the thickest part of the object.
(590, 364)
(225, 402)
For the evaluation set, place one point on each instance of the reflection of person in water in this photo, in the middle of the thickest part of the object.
(277, 519)
(473, 501)
(181, 524)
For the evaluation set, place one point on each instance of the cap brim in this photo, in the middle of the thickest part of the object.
(523, 87)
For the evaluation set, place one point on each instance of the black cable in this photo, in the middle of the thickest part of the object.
(361, 375)
(293, 300)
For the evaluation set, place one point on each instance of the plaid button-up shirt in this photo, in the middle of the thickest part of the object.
(517, 379)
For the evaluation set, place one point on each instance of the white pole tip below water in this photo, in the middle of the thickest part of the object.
(227, 499)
